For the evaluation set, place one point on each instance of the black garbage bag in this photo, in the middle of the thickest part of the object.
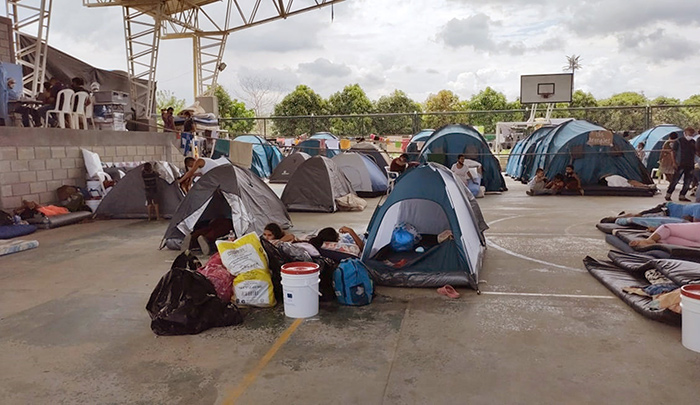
(185, 303)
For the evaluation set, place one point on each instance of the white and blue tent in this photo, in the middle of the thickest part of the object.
(431, 199)
(417, 141)
(366, 177)
(654, 139)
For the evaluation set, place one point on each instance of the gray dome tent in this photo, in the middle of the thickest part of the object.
(227, 191)
(378, 155)
(286, 168)
(127, 199)
(316, 186)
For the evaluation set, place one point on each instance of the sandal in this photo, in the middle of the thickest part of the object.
(448, 291)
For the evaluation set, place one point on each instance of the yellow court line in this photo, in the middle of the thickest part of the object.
(253, 374)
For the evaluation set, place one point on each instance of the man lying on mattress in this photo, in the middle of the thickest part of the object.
(688, 212)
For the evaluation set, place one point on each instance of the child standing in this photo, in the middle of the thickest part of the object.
(150, 183)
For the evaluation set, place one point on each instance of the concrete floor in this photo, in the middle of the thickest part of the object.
(73, 327)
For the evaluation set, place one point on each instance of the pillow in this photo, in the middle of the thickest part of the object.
(93, 165)
(351, 248)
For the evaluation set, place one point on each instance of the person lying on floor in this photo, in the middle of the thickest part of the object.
(345, 239)
(614, 180)
(689, 212)
(685, 234)
(274, 232)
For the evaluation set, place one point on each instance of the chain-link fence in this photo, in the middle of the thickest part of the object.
(630, 120)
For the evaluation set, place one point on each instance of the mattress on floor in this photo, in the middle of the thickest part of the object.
(674, 251)
(56, 221)
(608, 228)
(13, 231)
(16, 245)
(595, 190)
(615, 279)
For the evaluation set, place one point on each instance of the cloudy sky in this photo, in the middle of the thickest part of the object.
(423, 46)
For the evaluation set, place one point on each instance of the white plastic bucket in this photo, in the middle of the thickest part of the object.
(690, 304)
(300, 289)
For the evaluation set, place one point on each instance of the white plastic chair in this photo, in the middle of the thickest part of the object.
(80, 114)
(64, 106)
(391, 177)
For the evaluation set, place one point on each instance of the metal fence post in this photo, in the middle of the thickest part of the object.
(313, 125)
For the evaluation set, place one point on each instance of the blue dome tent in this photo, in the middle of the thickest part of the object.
(314, 147)
(416, 144)
(323, 135)
(578, 142)
(266, 156)
(515, 158)
(448, 142)
(366, 177)
(525, 168)
(654, 139)
(431, 199)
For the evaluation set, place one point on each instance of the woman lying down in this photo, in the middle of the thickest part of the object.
(682, 234)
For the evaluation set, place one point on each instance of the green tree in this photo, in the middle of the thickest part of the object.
(352, 100)
(628, 119)
(303, 101)
(443, 101)
(232, 108)
(578, 99)
(396, 102)
(673, 114)
(488, 100)
(693, 113)
(166, 98)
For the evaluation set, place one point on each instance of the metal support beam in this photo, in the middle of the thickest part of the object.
(209, 52)
(142, 34)
(31, 18)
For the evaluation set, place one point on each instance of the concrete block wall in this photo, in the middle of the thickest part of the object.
(34, 162)
(6, 48)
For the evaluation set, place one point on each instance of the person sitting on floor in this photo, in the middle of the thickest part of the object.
(469, 172)
(685, 234)
(571, 180)
(273, 232)
(538, 184)
(204, 237)
(614, 180)
(555, 185)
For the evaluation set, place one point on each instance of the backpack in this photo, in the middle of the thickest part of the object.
(352, 283)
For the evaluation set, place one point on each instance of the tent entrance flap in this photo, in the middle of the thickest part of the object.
(186, 226)
(241, 218)
(427, 216)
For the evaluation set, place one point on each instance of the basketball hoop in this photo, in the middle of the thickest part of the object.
(546, 95)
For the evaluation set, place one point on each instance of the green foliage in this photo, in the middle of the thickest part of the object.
(671, 115)
(628, 119)
(488, 100)
(352, 100)
(444, 100)
(303, 101)
(396, 102)
(166, 98)
(232, 108)
(693, 113)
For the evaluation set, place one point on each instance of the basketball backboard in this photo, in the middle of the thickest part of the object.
(550, 88)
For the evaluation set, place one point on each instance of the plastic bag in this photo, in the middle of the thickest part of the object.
(185, 302)
(254, 288)
(220, 278)
(245, 258)
(404, 237)
(243, 254)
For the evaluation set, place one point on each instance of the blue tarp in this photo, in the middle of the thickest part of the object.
(265, 155)
(448, 142)
(654, 139)
(568, 144)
